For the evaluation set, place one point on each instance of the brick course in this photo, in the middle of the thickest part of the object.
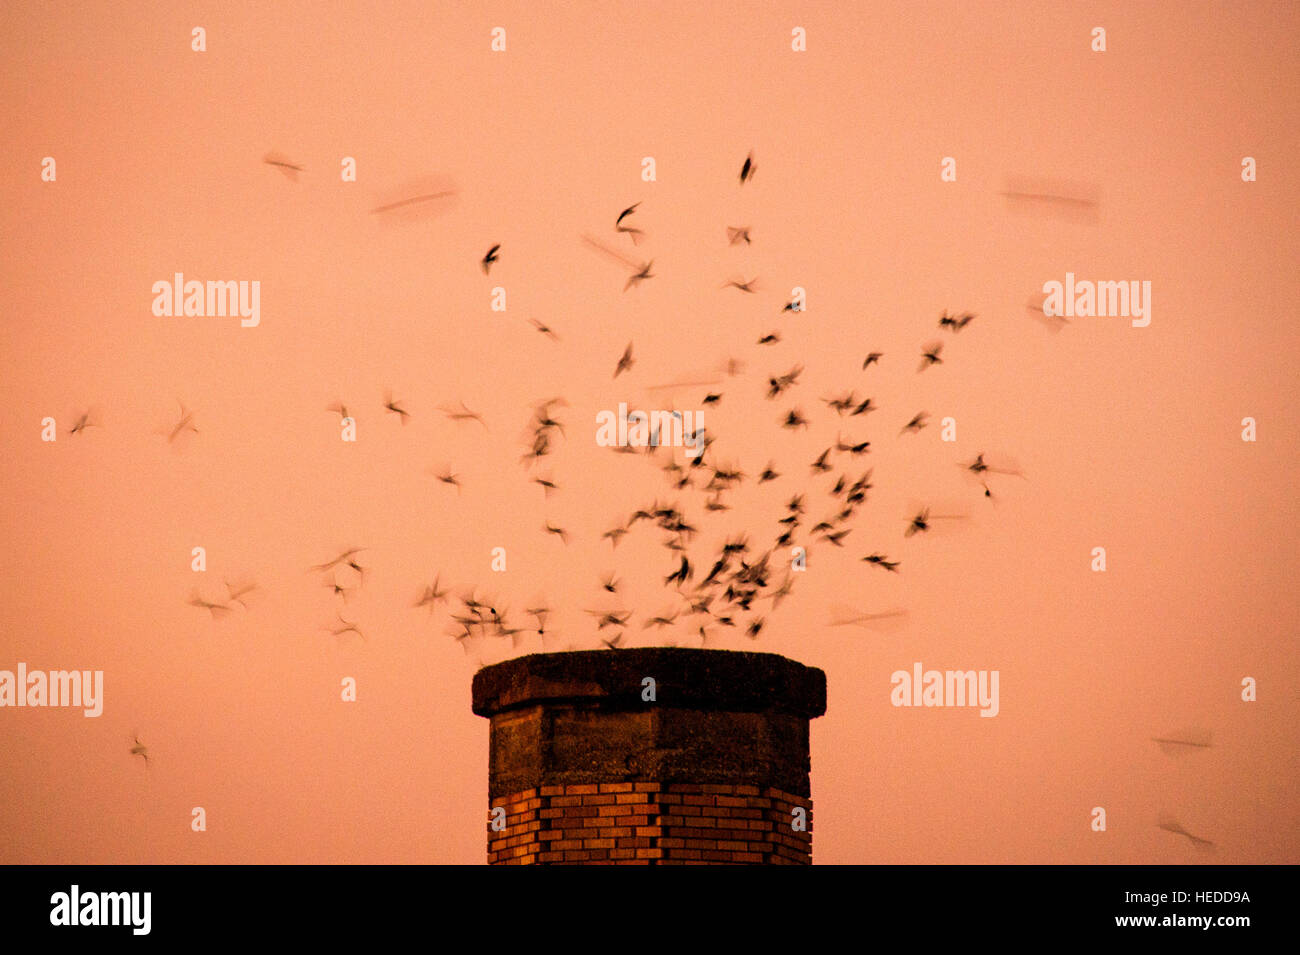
(746, 825)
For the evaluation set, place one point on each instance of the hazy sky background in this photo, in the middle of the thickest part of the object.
(1129, 438)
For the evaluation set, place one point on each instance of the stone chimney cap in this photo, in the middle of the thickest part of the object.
(724, 680)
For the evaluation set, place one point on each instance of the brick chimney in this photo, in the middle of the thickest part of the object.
(650, 756)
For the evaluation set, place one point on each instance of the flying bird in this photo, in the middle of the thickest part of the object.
(217, 610)
(341, 558)
(640, 276)
(748, 169)
(872, 359)
(236, 593)
(545, 330)
(88, 419)
(394, 408)
(1183, 742)
(412, 201)
(633, 233)
(463, 414)
(979, 468)
(346, 627)
(290, 169)
(923, 521)
(916, 424)
(490, 258)
(735, 235)
(139, 749)
(339, 589)
(446, 477)
(185, 424)
(930, 356)
(1169, 824)
(881, 561)
(874, 621)
(954, 323)
(431, 595)
(626, 362)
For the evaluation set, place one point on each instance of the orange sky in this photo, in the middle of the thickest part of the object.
(1129, 438)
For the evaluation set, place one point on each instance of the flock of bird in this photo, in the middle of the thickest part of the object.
(732, 587)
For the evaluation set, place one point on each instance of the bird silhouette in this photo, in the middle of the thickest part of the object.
(643, 274)
(345, 627)
(340, 559)
(236, 593)
(393, 407)
(930, 356)
(1169, 824)
(139, 749)
(413, 200)
(87, 419)
(748, 169)
(290, 169)
(1186, 741)
(626, 362)
(916, 424)
(463, 414)
(446, 477)
(186, 423)
(545, 330)
(217, 610)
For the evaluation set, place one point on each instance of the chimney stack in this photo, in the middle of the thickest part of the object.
(652, 756)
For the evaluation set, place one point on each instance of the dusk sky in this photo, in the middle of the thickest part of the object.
(1126, 438)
